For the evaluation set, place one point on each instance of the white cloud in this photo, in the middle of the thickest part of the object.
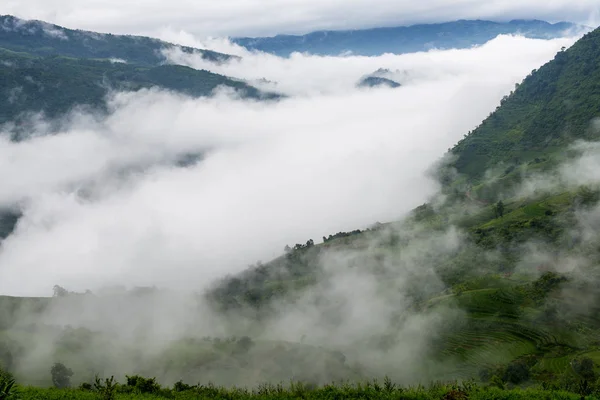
(267, 17)
(54, 32)
(330, 158)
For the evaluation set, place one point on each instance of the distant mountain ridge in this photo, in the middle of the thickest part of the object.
(404, 39)
(45, 39)
(50, 69)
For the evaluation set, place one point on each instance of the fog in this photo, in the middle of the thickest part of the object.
(107, 206)
(104, 204)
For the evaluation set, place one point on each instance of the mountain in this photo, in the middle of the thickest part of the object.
(403, 39)
(553, 107)
(44, 39)
(380, 78)
(50, 69)
(483, 282)
(55, 84)
(376, 81)
(524, 271)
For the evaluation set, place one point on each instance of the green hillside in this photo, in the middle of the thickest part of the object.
(56, 84)
(550, 109)
(44, 39)
(483, 282)
(520, 314)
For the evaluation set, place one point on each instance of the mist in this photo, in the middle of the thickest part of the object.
(330, 158)
(108, 207)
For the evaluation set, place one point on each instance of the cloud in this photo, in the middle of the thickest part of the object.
(54, 32)
(104, 204)
(259, 18)
(309, 75)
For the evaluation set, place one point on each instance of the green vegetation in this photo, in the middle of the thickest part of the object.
(514, 278)
(42, 39)
(56, 84)
(138, 387)
(550, 109)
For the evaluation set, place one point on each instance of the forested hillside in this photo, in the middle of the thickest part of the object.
(50, 69)
(55, 84)
(550, 109)
(44, 39)
(525, 269)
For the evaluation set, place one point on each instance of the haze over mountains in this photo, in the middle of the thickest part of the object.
(405, 39)
(456, 194)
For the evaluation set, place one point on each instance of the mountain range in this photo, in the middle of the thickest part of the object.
(404, 39)
(505, 257)
(49, 69)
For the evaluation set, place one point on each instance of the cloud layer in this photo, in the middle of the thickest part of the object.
(103, 203)
(260, 17)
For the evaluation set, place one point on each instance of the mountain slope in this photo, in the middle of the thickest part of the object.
(461, 288)
(44, 39)
(524, 272)
(403, 39)
(55, 85)
(553, 107)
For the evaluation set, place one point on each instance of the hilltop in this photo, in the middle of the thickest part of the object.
(43, 39)
(55, 84)
(404, 39)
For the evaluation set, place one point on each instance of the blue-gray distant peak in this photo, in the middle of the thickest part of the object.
(404, 39)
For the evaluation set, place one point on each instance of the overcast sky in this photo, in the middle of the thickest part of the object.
(268, 17)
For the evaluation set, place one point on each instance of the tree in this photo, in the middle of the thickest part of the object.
(244, 344)
(499, 209)
(60, 291)
(516, 372)
(584, 368)
(61, 375)
(287, 248)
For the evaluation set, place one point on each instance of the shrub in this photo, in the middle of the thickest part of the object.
(182, 387)
(585, 368)
(143, 385)
(516, 372)
(8, 389)
(106, 389)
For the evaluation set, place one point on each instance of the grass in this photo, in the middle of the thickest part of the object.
(372, 390)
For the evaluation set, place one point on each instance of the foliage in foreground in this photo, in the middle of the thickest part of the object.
(135, 389)
(8, 389)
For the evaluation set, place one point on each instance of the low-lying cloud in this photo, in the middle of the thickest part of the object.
(104, 202)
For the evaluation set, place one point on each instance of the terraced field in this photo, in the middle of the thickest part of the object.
(497, 330)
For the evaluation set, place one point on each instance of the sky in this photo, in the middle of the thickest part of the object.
(103, 204)
(209, 18)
